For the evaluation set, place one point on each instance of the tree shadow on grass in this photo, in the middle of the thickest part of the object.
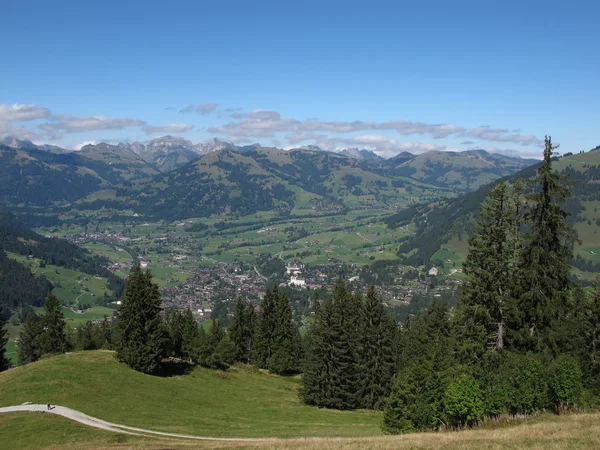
(174, 368)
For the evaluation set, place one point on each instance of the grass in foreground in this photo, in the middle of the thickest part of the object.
(35, 430)
(246, 403)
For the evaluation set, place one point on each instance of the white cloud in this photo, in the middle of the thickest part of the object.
(72, 124)
(168, 128)
(21, 113)
(502, 135)
(206, 108)
(187, 109)
(246, 127)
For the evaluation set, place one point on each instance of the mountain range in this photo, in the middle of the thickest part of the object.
(236, 178)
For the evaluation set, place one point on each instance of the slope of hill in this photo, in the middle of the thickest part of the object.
(461, 171)
(128, 164)
(240, 404)
(41, 178)
(445, 225)
(263, 179)
(28, 145)
(17, 238)
(200, 402)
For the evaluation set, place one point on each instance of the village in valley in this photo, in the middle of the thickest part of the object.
(192, 280)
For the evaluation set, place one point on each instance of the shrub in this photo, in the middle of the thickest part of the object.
(412, 405)
(527, 383)
(565, 387)
(463, 400)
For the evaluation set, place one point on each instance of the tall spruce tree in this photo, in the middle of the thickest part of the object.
(591, 359)
(332, 372)
(265, 328)
(286, 351)
(250, 328)
(241, 329)
(30, 348)
(416, 400)
(545, 280)
(481, 314)
(141, 339)
(54, 337)
(173, 322)
(4, 362)
(378, 351)
(189, 336)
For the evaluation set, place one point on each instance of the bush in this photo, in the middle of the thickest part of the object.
(515, 384)
(281, 362)
(463, 400)
(224, 354)
(565, 387)
(411, 405)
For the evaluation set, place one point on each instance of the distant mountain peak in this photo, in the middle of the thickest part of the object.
(359, 154)
(313, 148)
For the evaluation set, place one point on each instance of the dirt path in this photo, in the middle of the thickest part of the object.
(114, 427)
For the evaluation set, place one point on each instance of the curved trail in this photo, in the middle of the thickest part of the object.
(84, 419)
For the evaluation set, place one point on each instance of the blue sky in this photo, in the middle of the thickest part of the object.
(389, 76)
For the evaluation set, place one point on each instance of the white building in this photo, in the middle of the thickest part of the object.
(433, 271)
(297, 282)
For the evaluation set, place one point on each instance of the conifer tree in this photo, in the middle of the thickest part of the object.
(591, 358)
(30, 349)
(378, 334)
(141, 339)
(416, 400)
(54, 338)
(545, 281)
(481, 315)
(286, 352)
(250, 328)
(266, 328)
(241, 330)
(189, 337)
(4, 362)
(203, 348)
(332, 367)
(173, 322)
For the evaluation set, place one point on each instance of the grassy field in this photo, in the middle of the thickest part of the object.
(75, 319)
(244, 403)
(70, 286)
(23, 431)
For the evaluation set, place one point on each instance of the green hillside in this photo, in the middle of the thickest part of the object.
(262, 179)
(41, 178)
(460, 171)
(442, 227)
(240, 403)
(205, 405)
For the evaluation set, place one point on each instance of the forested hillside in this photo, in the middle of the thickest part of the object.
(438, 223)
(19, 287)
(17, 238)
(41, 178)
